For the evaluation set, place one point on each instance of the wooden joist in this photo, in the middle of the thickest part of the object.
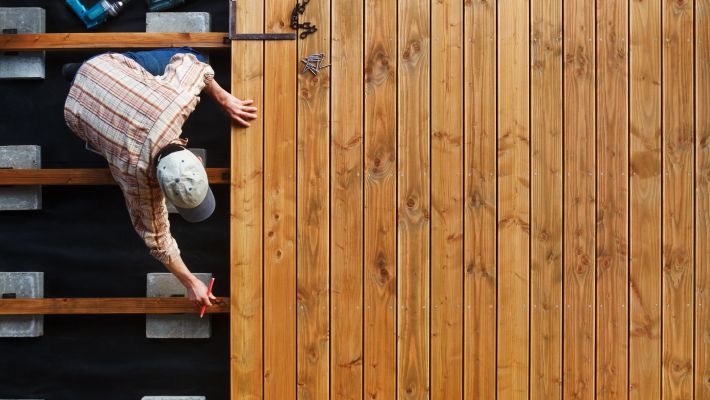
(115, 305)
(111, 40)
(86, 176)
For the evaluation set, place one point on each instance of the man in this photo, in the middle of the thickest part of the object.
(130, 109)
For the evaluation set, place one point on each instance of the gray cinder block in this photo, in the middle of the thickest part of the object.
(22, 65)
(200, 153)
(15, 198)
(23, 285)
(174, 398)
(178, 22)
(177, 326)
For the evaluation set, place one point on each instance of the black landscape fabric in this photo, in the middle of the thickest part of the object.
(83, 241)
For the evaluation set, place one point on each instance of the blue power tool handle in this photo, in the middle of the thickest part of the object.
(92, 17)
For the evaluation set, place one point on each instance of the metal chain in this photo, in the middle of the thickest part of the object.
(299, 9)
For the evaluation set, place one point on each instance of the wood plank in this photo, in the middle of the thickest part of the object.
(513, 199)
(580, 198)
(678, 204)
(83, 176)
(346, 243)
(111, 40)
(446, 199)
(612, 194)
(380, 199)
(702, 199)
(109, 305)
(645, 201)
(279, 113)
(247, 216)
(546, 196)
(413, 199)
(480, 285)
(313, 212)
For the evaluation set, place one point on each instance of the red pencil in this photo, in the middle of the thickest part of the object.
(209, 292)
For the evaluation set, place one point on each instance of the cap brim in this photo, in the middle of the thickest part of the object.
(202, 211)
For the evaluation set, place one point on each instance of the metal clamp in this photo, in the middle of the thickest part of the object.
(233, 35)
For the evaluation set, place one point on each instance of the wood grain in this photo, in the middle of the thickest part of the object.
(645, 200)
(413, 200)
(678, 204)
(247, 213)
(83, 176)
(111, 40)
(612, 199)
(546, 197)
(346, 242)
(380, 199)
(513, 199)
(313, 212)
(480, 285)
(279, 113)
(579, 201)
(702, 199)
(446, 199)
(109, 305)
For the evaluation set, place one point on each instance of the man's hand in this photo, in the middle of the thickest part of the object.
(239, 110)
(197, 292)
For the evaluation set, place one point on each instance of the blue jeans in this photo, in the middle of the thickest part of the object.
(155, 61)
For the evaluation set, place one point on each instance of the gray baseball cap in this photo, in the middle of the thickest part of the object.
(183, 180)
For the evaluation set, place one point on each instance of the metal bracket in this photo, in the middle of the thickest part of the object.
(233, 35)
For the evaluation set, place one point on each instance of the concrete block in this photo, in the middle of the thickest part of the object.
(179, 326)
(15, 198)
(22, 65)
(199, 153)
(174, 398)
(23, 285)
(178, 22)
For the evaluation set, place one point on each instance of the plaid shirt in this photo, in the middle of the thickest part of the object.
(128, 115)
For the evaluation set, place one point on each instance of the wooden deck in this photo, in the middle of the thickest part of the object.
(479, 199)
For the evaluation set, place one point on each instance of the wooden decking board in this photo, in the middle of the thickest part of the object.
(346, 197)
(677, 203)
(546, 197)
(702, 199)
(108, 305)
(480, 206)
(111, 40)
(612, 200)
(446, 200)
(247, 213)
(279, 113)
(83, 176)
(380, 294)
(579, 201)
(313, 205)
(413, 200)
(513, 200)
(645, 200)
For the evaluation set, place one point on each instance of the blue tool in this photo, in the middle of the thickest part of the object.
(98, 13)
(162, 5)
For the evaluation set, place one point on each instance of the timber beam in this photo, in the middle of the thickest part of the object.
(108, 305)
(85, 176)
(111, 40)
